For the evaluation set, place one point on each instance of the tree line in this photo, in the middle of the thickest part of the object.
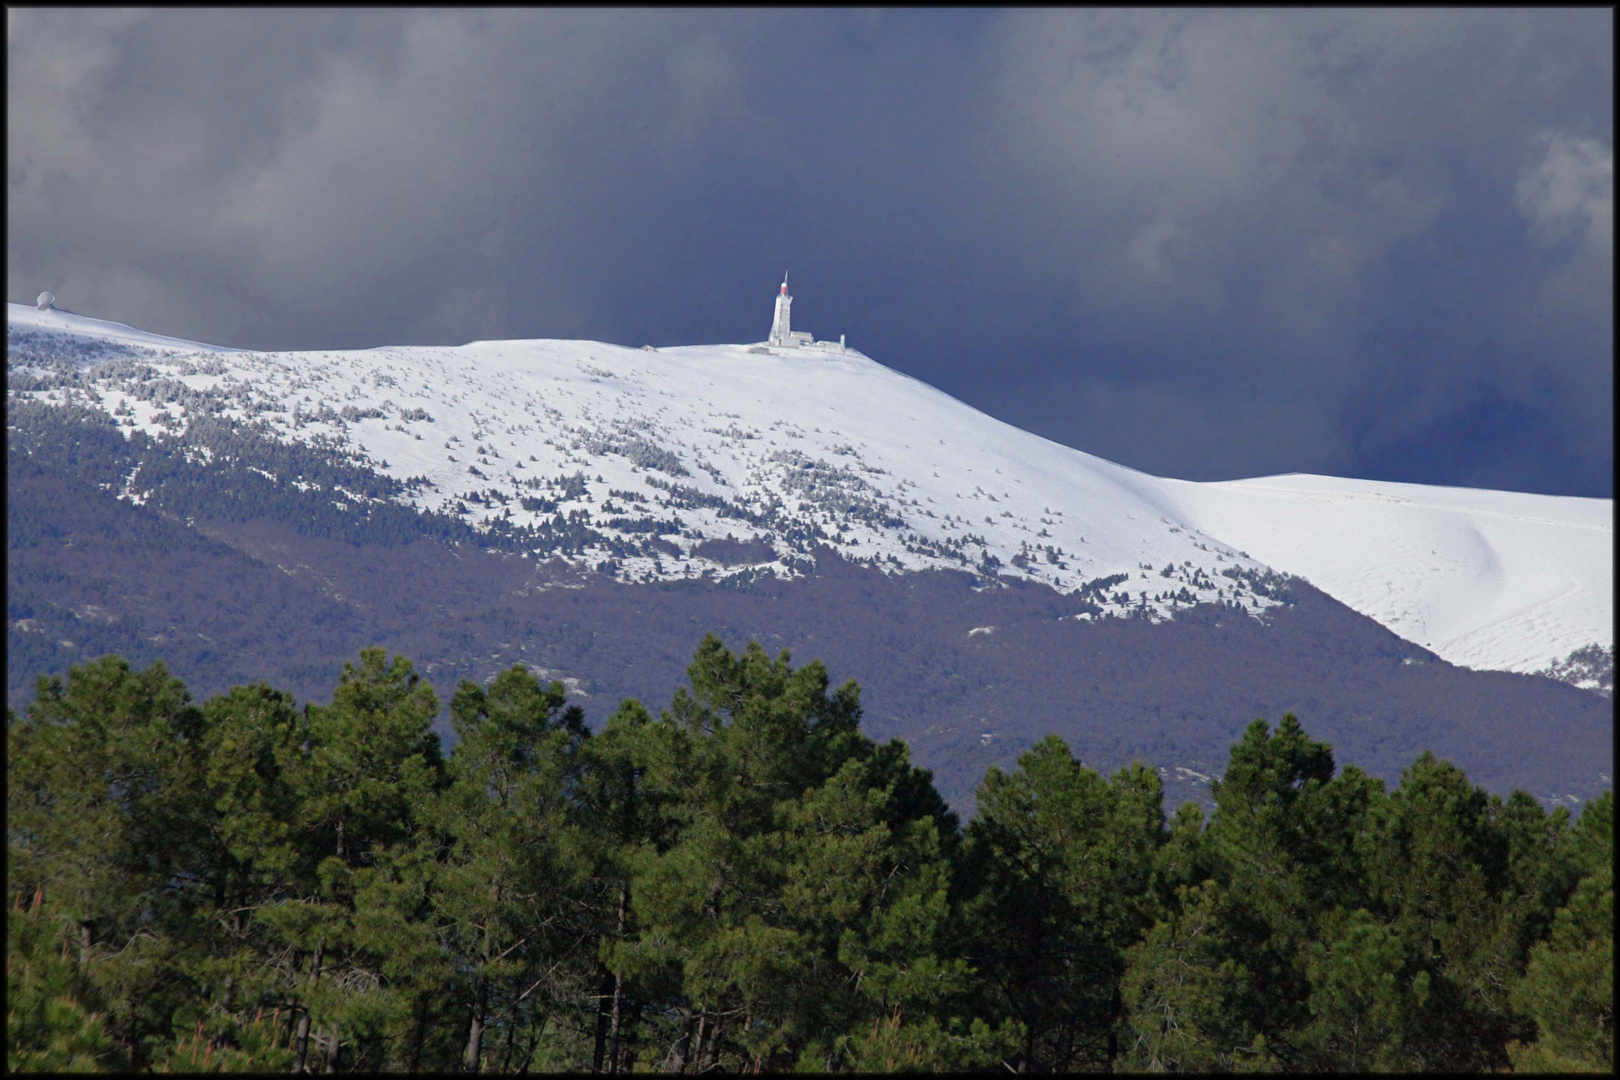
(747, 881)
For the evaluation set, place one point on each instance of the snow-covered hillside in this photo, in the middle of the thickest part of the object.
(654, 458)
(1485, 579)
(52, 320)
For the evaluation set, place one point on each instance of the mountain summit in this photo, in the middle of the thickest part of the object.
(590, 511)
(733, 462)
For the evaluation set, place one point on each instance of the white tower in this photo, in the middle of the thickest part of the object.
(781, 334)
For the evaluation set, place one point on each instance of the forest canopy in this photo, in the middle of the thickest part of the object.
(747, 881)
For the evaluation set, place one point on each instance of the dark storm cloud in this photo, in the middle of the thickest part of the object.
(1205, 244)
(1318, 236)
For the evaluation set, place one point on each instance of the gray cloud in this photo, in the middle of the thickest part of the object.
(384, 178)
(1202, 243)
(1293, 198)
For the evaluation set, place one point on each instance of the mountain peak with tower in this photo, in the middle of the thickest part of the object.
(783, 336)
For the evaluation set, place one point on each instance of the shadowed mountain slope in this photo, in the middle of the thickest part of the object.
(968, 675)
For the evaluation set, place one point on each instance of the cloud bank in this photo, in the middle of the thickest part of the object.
(1202, 243)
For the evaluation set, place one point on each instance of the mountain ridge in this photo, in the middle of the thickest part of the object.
(638, 462)
(159, 510)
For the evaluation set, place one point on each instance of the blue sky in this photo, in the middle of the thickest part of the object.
(1206, 244)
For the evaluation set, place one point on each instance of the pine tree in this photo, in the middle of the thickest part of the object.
(506, 895)
(1439, 867)
(1064, 862)
(54, 1016)
(364, 785)
(747, 881)
(791, 888)
(1225, 979)
(104, 821)
(1188, 994)
(618, 817)
(1568, 987)
(252, 737)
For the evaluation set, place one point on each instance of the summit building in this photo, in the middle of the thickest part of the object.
(782, 333)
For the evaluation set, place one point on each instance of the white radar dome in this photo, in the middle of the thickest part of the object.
(45, 301)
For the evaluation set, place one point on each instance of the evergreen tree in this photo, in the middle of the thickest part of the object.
(1568, 987)
(54, 1018)
(104, 822)
(618, 817)
(364, 784)
(793, 884)
(1187, 992)
(508, 890)
(1225, 981)
(747, 881)
(1065, 863)
(1439, 868)
(252, 738)
(1361, 992)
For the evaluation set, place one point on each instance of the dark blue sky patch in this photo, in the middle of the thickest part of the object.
(1207, 244)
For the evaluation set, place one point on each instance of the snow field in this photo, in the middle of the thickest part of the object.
(826, 448)
(1486, 579)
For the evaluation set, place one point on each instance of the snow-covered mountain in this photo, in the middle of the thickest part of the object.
(1485, 579)
(727, 460)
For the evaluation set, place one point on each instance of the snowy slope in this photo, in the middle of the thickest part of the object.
(671, 448)
(1486, 579)
(54, 321)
